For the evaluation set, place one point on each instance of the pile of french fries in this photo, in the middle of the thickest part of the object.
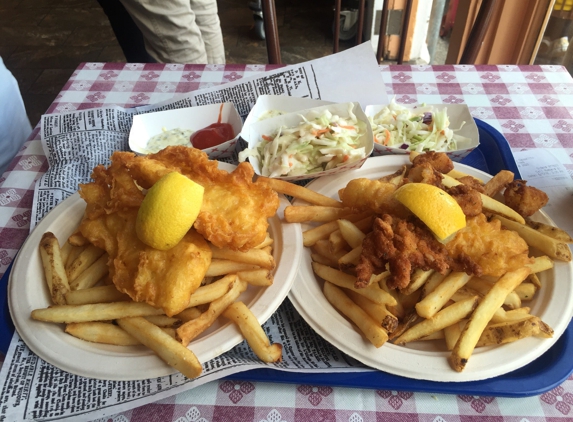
(92, 309)
(461, 311)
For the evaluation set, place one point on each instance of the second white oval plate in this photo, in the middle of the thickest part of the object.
(425, 360)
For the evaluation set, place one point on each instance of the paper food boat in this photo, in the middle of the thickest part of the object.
(147, 125)
(457, 114)
(253, 134)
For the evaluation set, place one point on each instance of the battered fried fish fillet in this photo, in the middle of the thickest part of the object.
(404, 247)
(438, 160)
(496, 250)
(374, 195)
(235, 209)
(526, 200)
(164, 279)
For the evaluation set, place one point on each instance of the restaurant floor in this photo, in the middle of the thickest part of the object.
(43, 41)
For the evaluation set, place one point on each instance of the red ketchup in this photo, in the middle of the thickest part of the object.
(212, 135)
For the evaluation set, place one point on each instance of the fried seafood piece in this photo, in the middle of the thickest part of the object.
(473, 183)
(164, 279)
(468, 198)
(374, 195)
(438, 160)
(425, 173)
(526, 200)
(402, 245)
(495, 249)
(235, 209)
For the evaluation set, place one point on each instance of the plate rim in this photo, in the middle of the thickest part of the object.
(373, 356)
(119, 368)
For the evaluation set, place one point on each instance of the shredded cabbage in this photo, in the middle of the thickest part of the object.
(316, 145)
(420, 129)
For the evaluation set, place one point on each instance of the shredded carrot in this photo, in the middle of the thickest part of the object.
(348, 127)
(320, 132)
(267, 138)
(443, 132)
(387, 139)
(345, 158)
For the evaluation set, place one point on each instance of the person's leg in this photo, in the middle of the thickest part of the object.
(210, 26)
(169, 29)
(127, 33)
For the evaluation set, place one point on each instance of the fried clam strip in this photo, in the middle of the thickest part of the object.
(166, 347)
(193, 328)
(482, 315)
(488, 203)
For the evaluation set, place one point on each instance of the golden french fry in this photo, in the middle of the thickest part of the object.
(323, 260)
(436, 335)
(396, 308)
(212, 291)
(372, 292)
(449, 315)
(225, 266)
(94, 312)
(253, 332)
(91, 275)
(311, 236)
(457, 174)
(501, 315)
(73, 254)
(336, 241)
(54, 270)
(322, 247)
(541, 263)
(483, 286)
(259, 277)
(253, 256)
(351, 233)
(162, 321)
(482, 315)
(525, 291)
(315, 213)
(509, 331)
(78, 239)
(166, 347)
(497, 183)
(101, 332)
(377, 311)
(83, 261)
(432, 282)
(65, 251)
(99, 294)
(188, 314)
(548, 245)
(267, 242)
(194, 327)
(350, 259)
(342, 303)
(417, 280)
(435, 300)
(534, 279)
(300, 192)
(548, 230)
(452, 334)
(488, 203)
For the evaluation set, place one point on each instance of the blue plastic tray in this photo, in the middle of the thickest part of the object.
(544, 374)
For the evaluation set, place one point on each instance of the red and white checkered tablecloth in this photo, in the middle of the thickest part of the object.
(532, 106)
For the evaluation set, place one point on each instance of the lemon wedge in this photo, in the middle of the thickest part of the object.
(168, 211)
(435, 207)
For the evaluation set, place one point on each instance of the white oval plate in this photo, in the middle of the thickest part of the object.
(27, 290)
(425, 360)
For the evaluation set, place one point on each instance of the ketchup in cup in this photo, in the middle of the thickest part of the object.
(212, 135)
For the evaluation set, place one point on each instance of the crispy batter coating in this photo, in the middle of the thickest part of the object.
(468, 198)
(526, 200)
(473, 183)
(164, 279)
(235, 209)
(374, 195)
(438, 160)
(425, 173)
(402, 245)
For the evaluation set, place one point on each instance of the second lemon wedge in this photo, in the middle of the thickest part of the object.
(168, 211)
(435, 207)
